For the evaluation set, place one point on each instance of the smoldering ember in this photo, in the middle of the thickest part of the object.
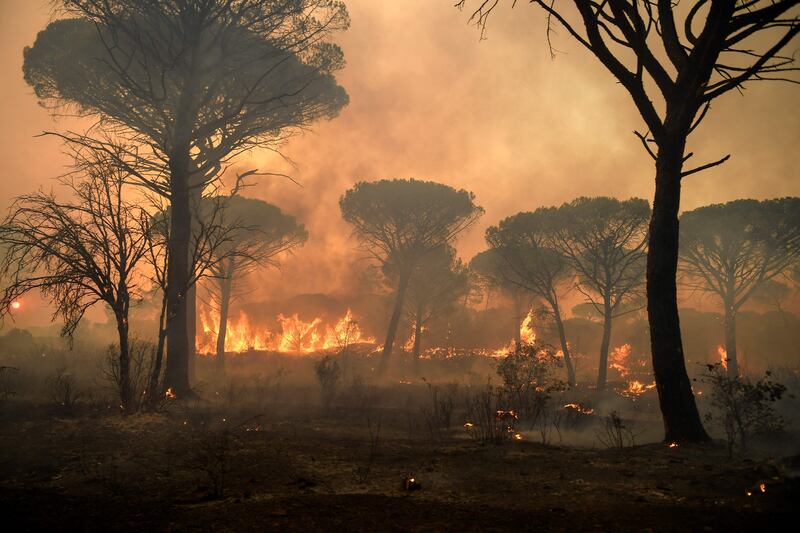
(430, 265)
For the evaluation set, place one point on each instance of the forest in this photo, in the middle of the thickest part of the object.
(247, 291)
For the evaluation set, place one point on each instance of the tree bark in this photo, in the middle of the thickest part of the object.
(124, 361)
(602, 371)
(730, 341)
(394, 322)
(176, 374)
(195, 199)
(225, 284)
(678, 407)
(152, 387)
(562, 337)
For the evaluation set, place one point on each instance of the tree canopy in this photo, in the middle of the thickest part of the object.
(604, 240)
(401, 221)
(525, 245)
(734, 249)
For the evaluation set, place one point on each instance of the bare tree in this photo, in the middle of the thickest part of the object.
(189, 86)
(524, 242)
(732, 250)
(400, 222)
(79, 253)
(673, 61)
(215, 243)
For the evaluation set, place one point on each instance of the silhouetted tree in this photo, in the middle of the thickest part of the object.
(493, 273)
(604, 240)
(731, 250)
(78, 253)
(401, 221)
(190, 85)
(212, 239)
(438, 283)
(525, 244)
(263, 232)
(673, 61)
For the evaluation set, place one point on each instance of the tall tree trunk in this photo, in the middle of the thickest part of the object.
(155, 376)
(225, 284)
(602, 371)
(517, 322)
(195, 199)
(562, 337)
(730, 341)
(678, 407)
(417, 337)
(394, 322)
(121, 316)
(176, 374)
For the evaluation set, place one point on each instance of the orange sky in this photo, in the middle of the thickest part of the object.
(429, 100)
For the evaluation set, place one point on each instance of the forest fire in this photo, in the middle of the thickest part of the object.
(295, 336)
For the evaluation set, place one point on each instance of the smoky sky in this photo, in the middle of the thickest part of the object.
(430, 100)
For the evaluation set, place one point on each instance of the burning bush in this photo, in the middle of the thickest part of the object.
(528, 381)
(487, 422)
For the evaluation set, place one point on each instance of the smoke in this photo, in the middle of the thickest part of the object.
(430, 100)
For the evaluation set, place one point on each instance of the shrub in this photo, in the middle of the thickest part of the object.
(742, 407)
(328, 375)
(528, 379)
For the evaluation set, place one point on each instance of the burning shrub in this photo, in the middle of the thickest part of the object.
(742, 407)
(488, 422)
(328, 374)
(528, 381)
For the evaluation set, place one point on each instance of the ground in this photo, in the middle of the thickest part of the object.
(214, 467)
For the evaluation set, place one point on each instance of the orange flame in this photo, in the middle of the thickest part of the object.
(618, 357)
(723, 356)
(296, 335)
(526, 333)
(637, 388)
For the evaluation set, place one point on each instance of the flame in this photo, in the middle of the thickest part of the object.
(672, 445)
(723, 356)
(169, 395)
(579, 408)
(637, 388)
(409, 345)
(617, 359)
(526, 333)
(296, 335)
